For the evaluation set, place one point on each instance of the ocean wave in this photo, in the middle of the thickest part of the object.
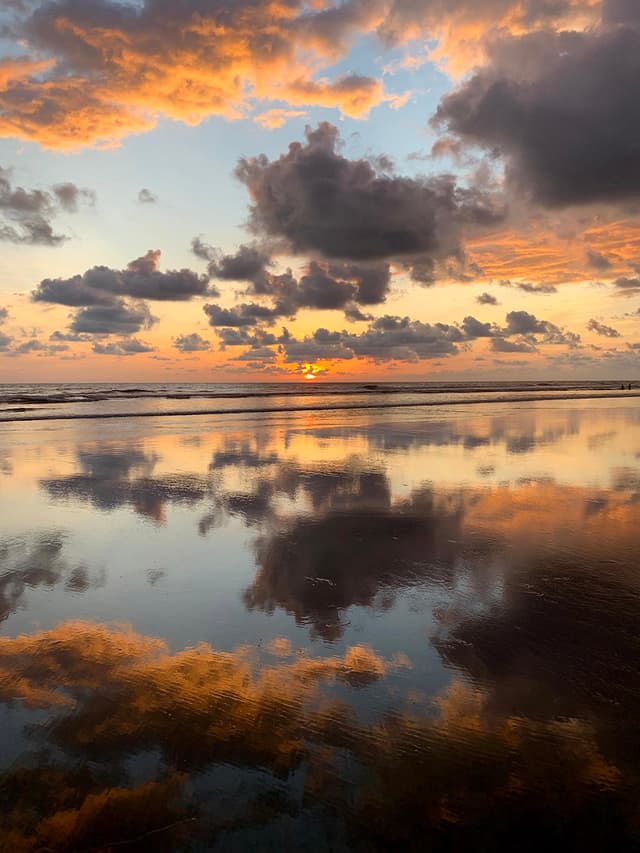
(355, 406)
(42, 395)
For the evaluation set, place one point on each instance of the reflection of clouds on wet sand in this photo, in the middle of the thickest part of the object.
(359, 548)
(442, 771)
(562, 638)
(513, 725)
(354, 552)
(114, 477)
(37, 560)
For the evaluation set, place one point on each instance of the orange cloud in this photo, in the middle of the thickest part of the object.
(274, 118)
(96, 74)
(541, 252)
(131, 69)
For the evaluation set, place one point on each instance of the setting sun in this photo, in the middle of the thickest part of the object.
(310, 371)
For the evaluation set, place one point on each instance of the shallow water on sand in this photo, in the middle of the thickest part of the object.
(367, 630)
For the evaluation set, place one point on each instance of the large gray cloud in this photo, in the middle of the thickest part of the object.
(141, 279)
(323, 285)
(119, 318)
(626, 286)
(25, 215)
(320, 201)
(526, 324)
(562, 109)
(246, 314)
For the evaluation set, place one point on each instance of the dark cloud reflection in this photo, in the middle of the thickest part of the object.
(37, 560)
(114, 477)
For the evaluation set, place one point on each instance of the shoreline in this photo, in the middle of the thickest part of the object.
(531, 398)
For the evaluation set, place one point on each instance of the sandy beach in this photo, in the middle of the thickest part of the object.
(371, 630)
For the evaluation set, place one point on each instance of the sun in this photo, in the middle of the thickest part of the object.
(310, 371)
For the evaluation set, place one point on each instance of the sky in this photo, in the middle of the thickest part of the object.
(262, 190)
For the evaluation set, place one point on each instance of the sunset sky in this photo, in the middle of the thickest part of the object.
(246, 190)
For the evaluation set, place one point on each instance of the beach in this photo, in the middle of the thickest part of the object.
(314, 625)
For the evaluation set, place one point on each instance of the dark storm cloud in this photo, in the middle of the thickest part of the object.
(318, 289)
(371, 281)
(131, 346)
(3, 314)
(486, 299)
(141, 279)
(561, 107)
(191, 343)
(597, 260)
(25, 215)
(323, 286)
(523, 323)
(321, 201)
(246, 314)
(5, 342)
(247, 264)
(601, 329)
(423, 272)
(475, 329)
(327, 286)
(627, 286)
(354, 315)
(119, 318)
(145, 196)
(75, 292)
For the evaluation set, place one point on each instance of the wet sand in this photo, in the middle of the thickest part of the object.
(407, 628)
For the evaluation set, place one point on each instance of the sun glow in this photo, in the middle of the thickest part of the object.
(310, 371)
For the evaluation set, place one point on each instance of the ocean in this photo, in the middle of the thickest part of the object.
(108, 400)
